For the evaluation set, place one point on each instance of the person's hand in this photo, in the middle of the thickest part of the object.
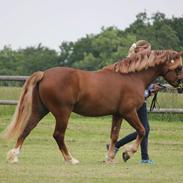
(155, 89)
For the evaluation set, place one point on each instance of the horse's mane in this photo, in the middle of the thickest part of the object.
(141, 61)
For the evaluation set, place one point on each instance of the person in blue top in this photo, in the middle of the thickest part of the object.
(140, 46)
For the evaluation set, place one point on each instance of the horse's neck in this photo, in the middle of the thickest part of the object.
(148, 76)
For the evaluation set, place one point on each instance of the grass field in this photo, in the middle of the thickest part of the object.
(41, 161)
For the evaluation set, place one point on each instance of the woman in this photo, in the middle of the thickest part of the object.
(140, 46)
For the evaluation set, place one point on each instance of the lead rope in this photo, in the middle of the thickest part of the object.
(154, 102)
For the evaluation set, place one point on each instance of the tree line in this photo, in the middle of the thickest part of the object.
(94, 51)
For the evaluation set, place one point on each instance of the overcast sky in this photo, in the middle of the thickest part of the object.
(50, 22)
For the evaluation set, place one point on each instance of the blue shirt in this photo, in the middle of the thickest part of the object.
(148, 90)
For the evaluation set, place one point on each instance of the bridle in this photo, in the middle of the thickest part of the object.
(177, 71)
(154, 102)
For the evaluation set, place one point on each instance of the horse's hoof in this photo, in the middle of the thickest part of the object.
(125, 156)
(15, 160)
(72, 161)
(111, 161)
(12, 156)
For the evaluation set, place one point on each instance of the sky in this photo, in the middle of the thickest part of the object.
(50, 22)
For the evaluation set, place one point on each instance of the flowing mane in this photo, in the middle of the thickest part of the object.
(141, 61)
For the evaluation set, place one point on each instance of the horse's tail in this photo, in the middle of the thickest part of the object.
(24, 107)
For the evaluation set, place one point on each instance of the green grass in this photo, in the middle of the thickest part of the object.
(9, 92)
(41, 161)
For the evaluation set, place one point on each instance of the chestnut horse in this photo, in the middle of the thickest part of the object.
(116, 90)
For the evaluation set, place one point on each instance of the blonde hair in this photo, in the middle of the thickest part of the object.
(141, 43)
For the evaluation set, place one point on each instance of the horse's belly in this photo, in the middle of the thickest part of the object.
(94, 109)
(92, 113)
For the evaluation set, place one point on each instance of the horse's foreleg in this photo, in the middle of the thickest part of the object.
(59, 134)
(115, 128)
(135, 122)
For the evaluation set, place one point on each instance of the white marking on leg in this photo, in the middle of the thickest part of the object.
(108, 158)
(12, 155)
(72, 161)
(130, 150)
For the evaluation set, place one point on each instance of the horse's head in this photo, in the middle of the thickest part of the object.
(172, 69)
(167, 63)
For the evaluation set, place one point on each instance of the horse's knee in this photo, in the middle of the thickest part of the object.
(141, 132)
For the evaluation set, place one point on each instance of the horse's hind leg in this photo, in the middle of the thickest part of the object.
(38, 112)
(62, 117)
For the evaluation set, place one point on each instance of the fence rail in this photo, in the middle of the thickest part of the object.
(167, 110)
(23, 78)
(8, 102)
(13, 78)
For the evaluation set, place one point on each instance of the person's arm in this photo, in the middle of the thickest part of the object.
(151, 90)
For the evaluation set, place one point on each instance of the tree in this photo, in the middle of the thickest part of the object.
(93, 52)
(8, 61)
(176, 24)
(39, 58)
(156, 30)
